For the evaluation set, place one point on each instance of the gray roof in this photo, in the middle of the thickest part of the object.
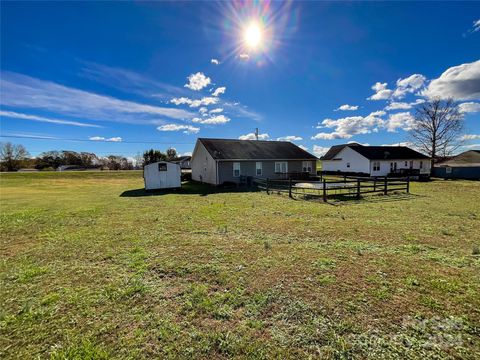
(469, 158)
(377, 152)
(229, 149)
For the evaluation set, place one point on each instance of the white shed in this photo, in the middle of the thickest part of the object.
(162, 175)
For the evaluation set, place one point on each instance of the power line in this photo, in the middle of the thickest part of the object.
(95, 141)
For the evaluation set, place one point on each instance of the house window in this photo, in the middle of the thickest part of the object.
(348, 165)
(281, 167)
(258, 168)
(448, 170)
(376, 166)
(236, 169)
(421, 164)
(306, 166)
(162, 166)
(411, 164)
(406, 163)
(393, 166)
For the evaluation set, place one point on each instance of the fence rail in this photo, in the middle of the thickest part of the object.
(333, 188)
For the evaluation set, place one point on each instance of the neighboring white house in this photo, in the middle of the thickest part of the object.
(162, 175)
(375, 160)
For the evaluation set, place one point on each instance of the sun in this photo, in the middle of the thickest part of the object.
(252, 35)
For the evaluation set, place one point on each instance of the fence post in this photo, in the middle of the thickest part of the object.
(358, 188)
(408, 184)
(290, 187)
(375, 184)
(324, 191)
(266, 187)
(385, 189)
(345, 179)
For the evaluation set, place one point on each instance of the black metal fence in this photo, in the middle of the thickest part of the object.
(336, 187)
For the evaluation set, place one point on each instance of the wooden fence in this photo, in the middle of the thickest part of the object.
(335, 188)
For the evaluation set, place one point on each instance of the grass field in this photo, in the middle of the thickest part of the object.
(92, 267)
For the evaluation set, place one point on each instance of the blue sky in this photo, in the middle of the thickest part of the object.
(119, 78)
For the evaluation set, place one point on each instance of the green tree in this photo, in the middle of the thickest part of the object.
(152, 156)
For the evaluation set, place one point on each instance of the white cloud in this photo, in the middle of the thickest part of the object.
(469, 107)
(403, 105)
(409, 85)
(244, 57)
(460, 82)
(356, 142)
(347, 107)
(403, 120)
(472, 146)
(205, 101)
(203, 110)
(220, 90)
(216, 111)
(289, 138)
(215, 62)
(345, 128)
(303, 147)
(381, 92)
(251, 136)
(319, 151)
(187, 153)
(101, 138)
(24, 91)
(470, 137)
(15, 115)
(187, 129)
(198, 81)
(212, 120)
(330, 136)
(404, 143)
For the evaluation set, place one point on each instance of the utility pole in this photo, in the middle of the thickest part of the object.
(256, 133)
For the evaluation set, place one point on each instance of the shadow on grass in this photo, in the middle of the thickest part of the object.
(345, 200)
(189, 188)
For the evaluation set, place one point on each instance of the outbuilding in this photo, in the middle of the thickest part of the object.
(162, 175)
(463, 166)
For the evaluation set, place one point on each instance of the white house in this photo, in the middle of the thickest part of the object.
(162, 175)
(375, 160)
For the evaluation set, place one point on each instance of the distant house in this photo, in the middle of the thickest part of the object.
(183, 161)
(216, 161)
(375, 160)
(463, 166)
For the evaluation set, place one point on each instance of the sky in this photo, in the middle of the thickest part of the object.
(122, 77)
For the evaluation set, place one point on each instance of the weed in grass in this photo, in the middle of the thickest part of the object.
(267, 245)
(325, 264)
(412, 281)
(475, 250)
(30, 272)
(429, 302)
(326, 279)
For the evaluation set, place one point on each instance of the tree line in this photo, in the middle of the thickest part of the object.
(14, 157)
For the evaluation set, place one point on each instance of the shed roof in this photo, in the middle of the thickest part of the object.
(230, 149)
(376, 152)
(470, 158)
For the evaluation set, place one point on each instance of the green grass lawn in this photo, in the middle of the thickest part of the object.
(91, 268)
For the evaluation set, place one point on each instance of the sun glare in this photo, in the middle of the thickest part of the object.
(253, 35)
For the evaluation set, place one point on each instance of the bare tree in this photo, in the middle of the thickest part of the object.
(12, 156)
(437, 126)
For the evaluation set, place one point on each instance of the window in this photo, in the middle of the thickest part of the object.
(348, 165)
(376, 166)
(236, 169)
(258, 168)
(421, 164)
(162, 166)
(406, 163)
(281, 167)
(448, 170)
(306, 166)
(411, 164)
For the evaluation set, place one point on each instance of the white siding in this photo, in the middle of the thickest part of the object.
(358, 163)
(204, 167)
(385, 166)
(155, 179)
